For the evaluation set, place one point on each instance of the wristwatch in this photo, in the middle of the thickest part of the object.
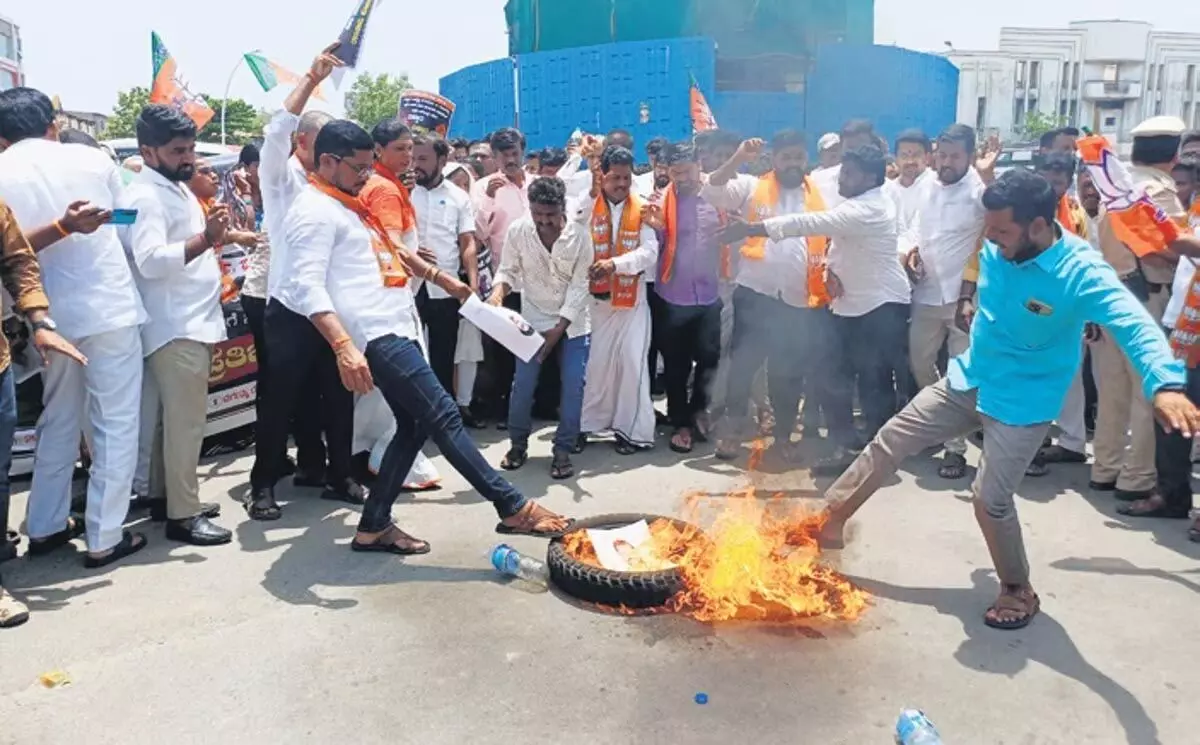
(46, 323)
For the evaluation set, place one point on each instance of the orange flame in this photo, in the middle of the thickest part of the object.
(756, 562)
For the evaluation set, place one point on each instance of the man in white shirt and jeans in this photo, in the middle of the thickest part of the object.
(870, 294)
(62, 195)
(171, 249)
(352, 281)
(446, 226)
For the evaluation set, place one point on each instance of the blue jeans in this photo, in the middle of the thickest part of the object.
(573, 359)
(423, 410)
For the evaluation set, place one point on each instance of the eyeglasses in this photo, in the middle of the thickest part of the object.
(360, 170)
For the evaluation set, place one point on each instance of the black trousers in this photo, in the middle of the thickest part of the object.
(690, 337)
(440, 316)
(656, 337)
(499, 366)
(1173, 459)
(306, 377)
(790, 341)
(871, 349)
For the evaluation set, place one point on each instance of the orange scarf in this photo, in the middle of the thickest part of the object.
(229, 289)
(409, 212)
(671, 216)
(391, 269)
(624, 289)
(762, 206)
(1070, 216)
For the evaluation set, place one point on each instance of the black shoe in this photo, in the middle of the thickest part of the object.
(289, 466)
(1126, 495)
(158, 510)
(8, 545)
(306, 479)
(1102, 485)
(469, 420)
(349, 491)
(198, 531)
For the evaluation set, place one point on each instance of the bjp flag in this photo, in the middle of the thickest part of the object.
(169, 89)
(702, 116)
(1139, 223)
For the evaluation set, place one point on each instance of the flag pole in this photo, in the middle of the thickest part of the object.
(225, 98)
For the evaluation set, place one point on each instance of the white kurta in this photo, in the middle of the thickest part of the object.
(616, 397)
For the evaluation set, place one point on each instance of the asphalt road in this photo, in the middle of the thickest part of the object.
(286, 636)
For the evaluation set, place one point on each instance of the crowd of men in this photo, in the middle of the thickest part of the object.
(759, 279)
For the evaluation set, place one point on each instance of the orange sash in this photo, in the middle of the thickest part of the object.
(1069, 216)
(671, 216)
(391, 269)
(1185, 337)
(762, 206)
(229, 289)
(623, 287)
(409, 213)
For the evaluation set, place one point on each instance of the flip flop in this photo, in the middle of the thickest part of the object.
(624, 447)
(503, 529)
(682, 449)
(130, 544)
(386, 544)
(514, 459)
(1011, 602)
(561, 470)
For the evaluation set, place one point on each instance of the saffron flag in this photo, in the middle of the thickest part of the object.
(169, 89)
(270, 74)
(1139, 223)
(702, 116)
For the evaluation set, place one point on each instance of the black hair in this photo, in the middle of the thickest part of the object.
(24, 113)
(459, 143)
(620, 138)
(1190, 137)
(786, 138)
(678, 152)
(1026, 193)
(507, 139)
(1047, 139)
(856, 127)
(554, 157)
(962, 134)
(915, 136)
(476, 165)
(712, 138)
(249, 155)
(533, 155)
(1057, 162)
(654, 148)
(72, 136)
(549, 191)
(159, 124)
(473, 143)
(1068, 131)
(388, 131)
(441, 148)
(1189, 163)
(342, 138)
(615, 155)
(1155, 150)
(869, 159)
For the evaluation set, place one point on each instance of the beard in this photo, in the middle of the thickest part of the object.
(662, 182)
(178, 175)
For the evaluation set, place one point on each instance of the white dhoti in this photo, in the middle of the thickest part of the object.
(467, 356)
(617, 395)
(375, 426)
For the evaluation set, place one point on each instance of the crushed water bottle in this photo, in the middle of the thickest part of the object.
(914, 728)
(510, 562)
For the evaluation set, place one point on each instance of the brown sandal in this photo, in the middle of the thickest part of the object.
(386, 543)
(1013, 600)
(532, 520)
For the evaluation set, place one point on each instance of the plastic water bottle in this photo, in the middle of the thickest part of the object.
(914, 728)
(576, 138)
(510, 562)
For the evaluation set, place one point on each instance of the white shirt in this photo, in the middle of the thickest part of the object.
(555, 281)
(908, 199)
(281, 178)
(182, 298)
(578, 182)
(331, 268)
(947, 231)
(641, 260)
(862, 253)
(444, 214)
(783, 272)
(827, 180)
(86, 277)
(643, 185)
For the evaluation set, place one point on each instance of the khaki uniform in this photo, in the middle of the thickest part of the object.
(1124, 440)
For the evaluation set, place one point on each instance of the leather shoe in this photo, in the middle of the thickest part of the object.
(348, 491)
(158, 510)
(1102, 485)
(198, 531)
(1125, 495)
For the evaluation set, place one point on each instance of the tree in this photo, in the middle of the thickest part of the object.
(1037, 124)
(125, 113)
(243, 122)
(372, 99)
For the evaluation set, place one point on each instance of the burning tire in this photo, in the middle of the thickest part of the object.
(595, 584)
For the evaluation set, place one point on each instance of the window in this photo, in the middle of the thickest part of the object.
(1066, 77)
(1075, 76)
(1158, 107)
(8, 79)
(1191, 78)
(1151, 77)
(1018, 112)
(1035, 74)
(1062, 107)
(1110, 73)
(8, 48)
(981, 113)
(1187, 111)
(1110, 122)
(1162, 77)
(1021, 73)
(1073, 115)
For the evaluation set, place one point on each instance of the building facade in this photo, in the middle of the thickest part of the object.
(90, 122)
(1106, 76)
(11, 72)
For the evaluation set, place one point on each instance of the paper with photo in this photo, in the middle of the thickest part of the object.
(507, 327)
(615, 547)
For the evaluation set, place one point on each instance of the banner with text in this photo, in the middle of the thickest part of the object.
(426, 112)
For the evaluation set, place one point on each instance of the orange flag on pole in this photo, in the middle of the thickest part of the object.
(169, 89)
(702, 116)
(1140, 224)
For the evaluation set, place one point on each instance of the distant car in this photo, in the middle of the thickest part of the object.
(127, 146)
(1016, 157)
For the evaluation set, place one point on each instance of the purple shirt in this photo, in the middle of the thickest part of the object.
(696, 271)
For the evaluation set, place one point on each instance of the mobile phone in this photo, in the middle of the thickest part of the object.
(124, 217)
